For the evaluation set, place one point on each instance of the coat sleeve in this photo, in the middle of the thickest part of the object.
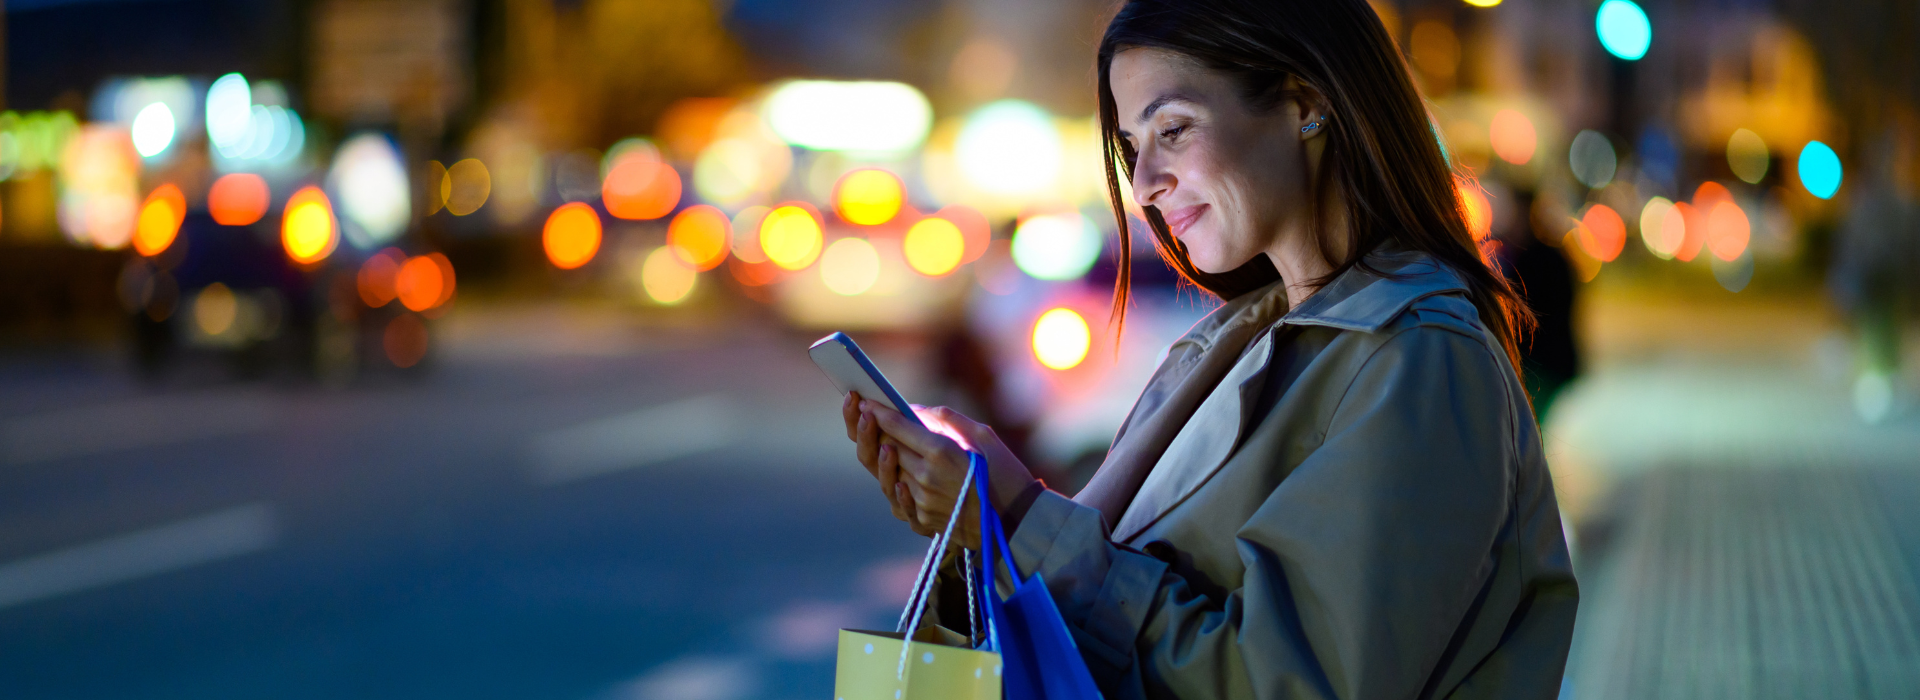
(1359, 567)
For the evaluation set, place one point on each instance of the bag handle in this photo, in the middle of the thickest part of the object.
(923, 582)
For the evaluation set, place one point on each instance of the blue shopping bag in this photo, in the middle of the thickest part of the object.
(1042, 661)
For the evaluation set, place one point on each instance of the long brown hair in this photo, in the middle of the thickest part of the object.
(1381, 151)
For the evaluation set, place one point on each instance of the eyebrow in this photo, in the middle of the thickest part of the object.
(1161, 101)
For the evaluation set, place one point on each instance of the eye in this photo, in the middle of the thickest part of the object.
(1173, 131)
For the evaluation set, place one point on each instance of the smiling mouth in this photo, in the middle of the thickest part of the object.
(1179, 220)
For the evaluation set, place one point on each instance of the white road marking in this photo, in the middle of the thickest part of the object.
(178, 545)
(131, 424)
(631, 440)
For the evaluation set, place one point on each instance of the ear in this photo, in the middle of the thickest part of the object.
(1310, 108)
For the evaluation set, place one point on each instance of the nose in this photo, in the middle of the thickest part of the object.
(1152, 180)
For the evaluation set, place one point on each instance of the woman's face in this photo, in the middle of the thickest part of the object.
(1227, 180)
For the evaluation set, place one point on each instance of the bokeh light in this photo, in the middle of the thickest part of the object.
(307, 229)
(375, 280)
(974, 229)
(1513, 136)
(1061, 339)
(790, 235)
(934, 246)
(215, 308)
(99, 199)
(160, 219)
(238, 199)
(699, 235)
(1056, 246)
(1747, 155)
(1602, 233)
(1623, 29)
(1476, 207)
(666, 278)
(640, 186)
(467, 186)
(746, 234)
(1819, 169)
(1728, 230)
(850, 266)
(436, 184)
(1010, 148)
(572, 235)
(405, 340)
(1661, 239)
(371, 183)
(153, 130)
(421, 283)
(868, 196)
(860, 116)
(1592, 159)
(1484, 3)
(1686, 219)
(229, 112)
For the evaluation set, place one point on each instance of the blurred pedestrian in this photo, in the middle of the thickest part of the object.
(1541, 275)
(1875, 263)
(1333, 486)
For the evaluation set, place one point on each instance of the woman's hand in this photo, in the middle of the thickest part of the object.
(921, 470)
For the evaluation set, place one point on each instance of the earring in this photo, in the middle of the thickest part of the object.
(1317, 123)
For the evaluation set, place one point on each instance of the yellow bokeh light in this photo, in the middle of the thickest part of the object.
(790, 236)
(466, 187)
(1663, 235)
(307, 229)
(1061, 339)
(572, 235)
(433, 176)
(698, 234)
(666, 279)
(868, 197)
(850, 266)
(159, 220)
(215, 308)
(934, 246)
(1483, 3)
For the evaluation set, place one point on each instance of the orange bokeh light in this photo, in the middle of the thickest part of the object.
(376, 277)
(699, 236)
(974, 229)
(1513, 136)
(639, 186)
(238, 199)
(1728, 230)
(160, 219)
(753, 274)
(1693, 228)
(572, 235)
(419, 284)
(1603, 234)
(1474, 204)
(307, 229)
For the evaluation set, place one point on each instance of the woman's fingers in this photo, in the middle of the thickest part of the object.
(867, 442)
(850, 413)
(914, 437)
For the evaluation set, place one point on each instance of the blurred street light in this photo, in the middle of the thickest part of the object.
(1623, 29)
(860, 116)
(1819, 169)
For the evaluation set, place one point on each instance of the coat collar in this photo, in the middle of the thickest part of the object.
(1360, 300)
(1357, 300)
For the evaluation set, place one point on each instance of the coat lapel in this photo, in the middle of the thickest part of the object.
(1207, 439)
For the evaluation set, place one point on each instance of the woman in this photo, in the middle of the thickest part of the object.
(1333, 486)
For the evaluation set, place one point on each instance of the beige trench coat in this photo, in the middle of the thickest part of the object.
(1357, 508)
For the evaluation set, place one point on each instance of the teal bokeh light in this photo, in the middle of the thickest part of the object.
(1623, 29)
(1819, 169)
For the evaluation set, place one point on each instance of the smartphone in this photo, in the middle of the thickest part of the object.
(850, 370)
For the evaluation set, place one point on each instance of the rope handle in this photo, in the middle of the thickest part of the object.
(923, 583)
